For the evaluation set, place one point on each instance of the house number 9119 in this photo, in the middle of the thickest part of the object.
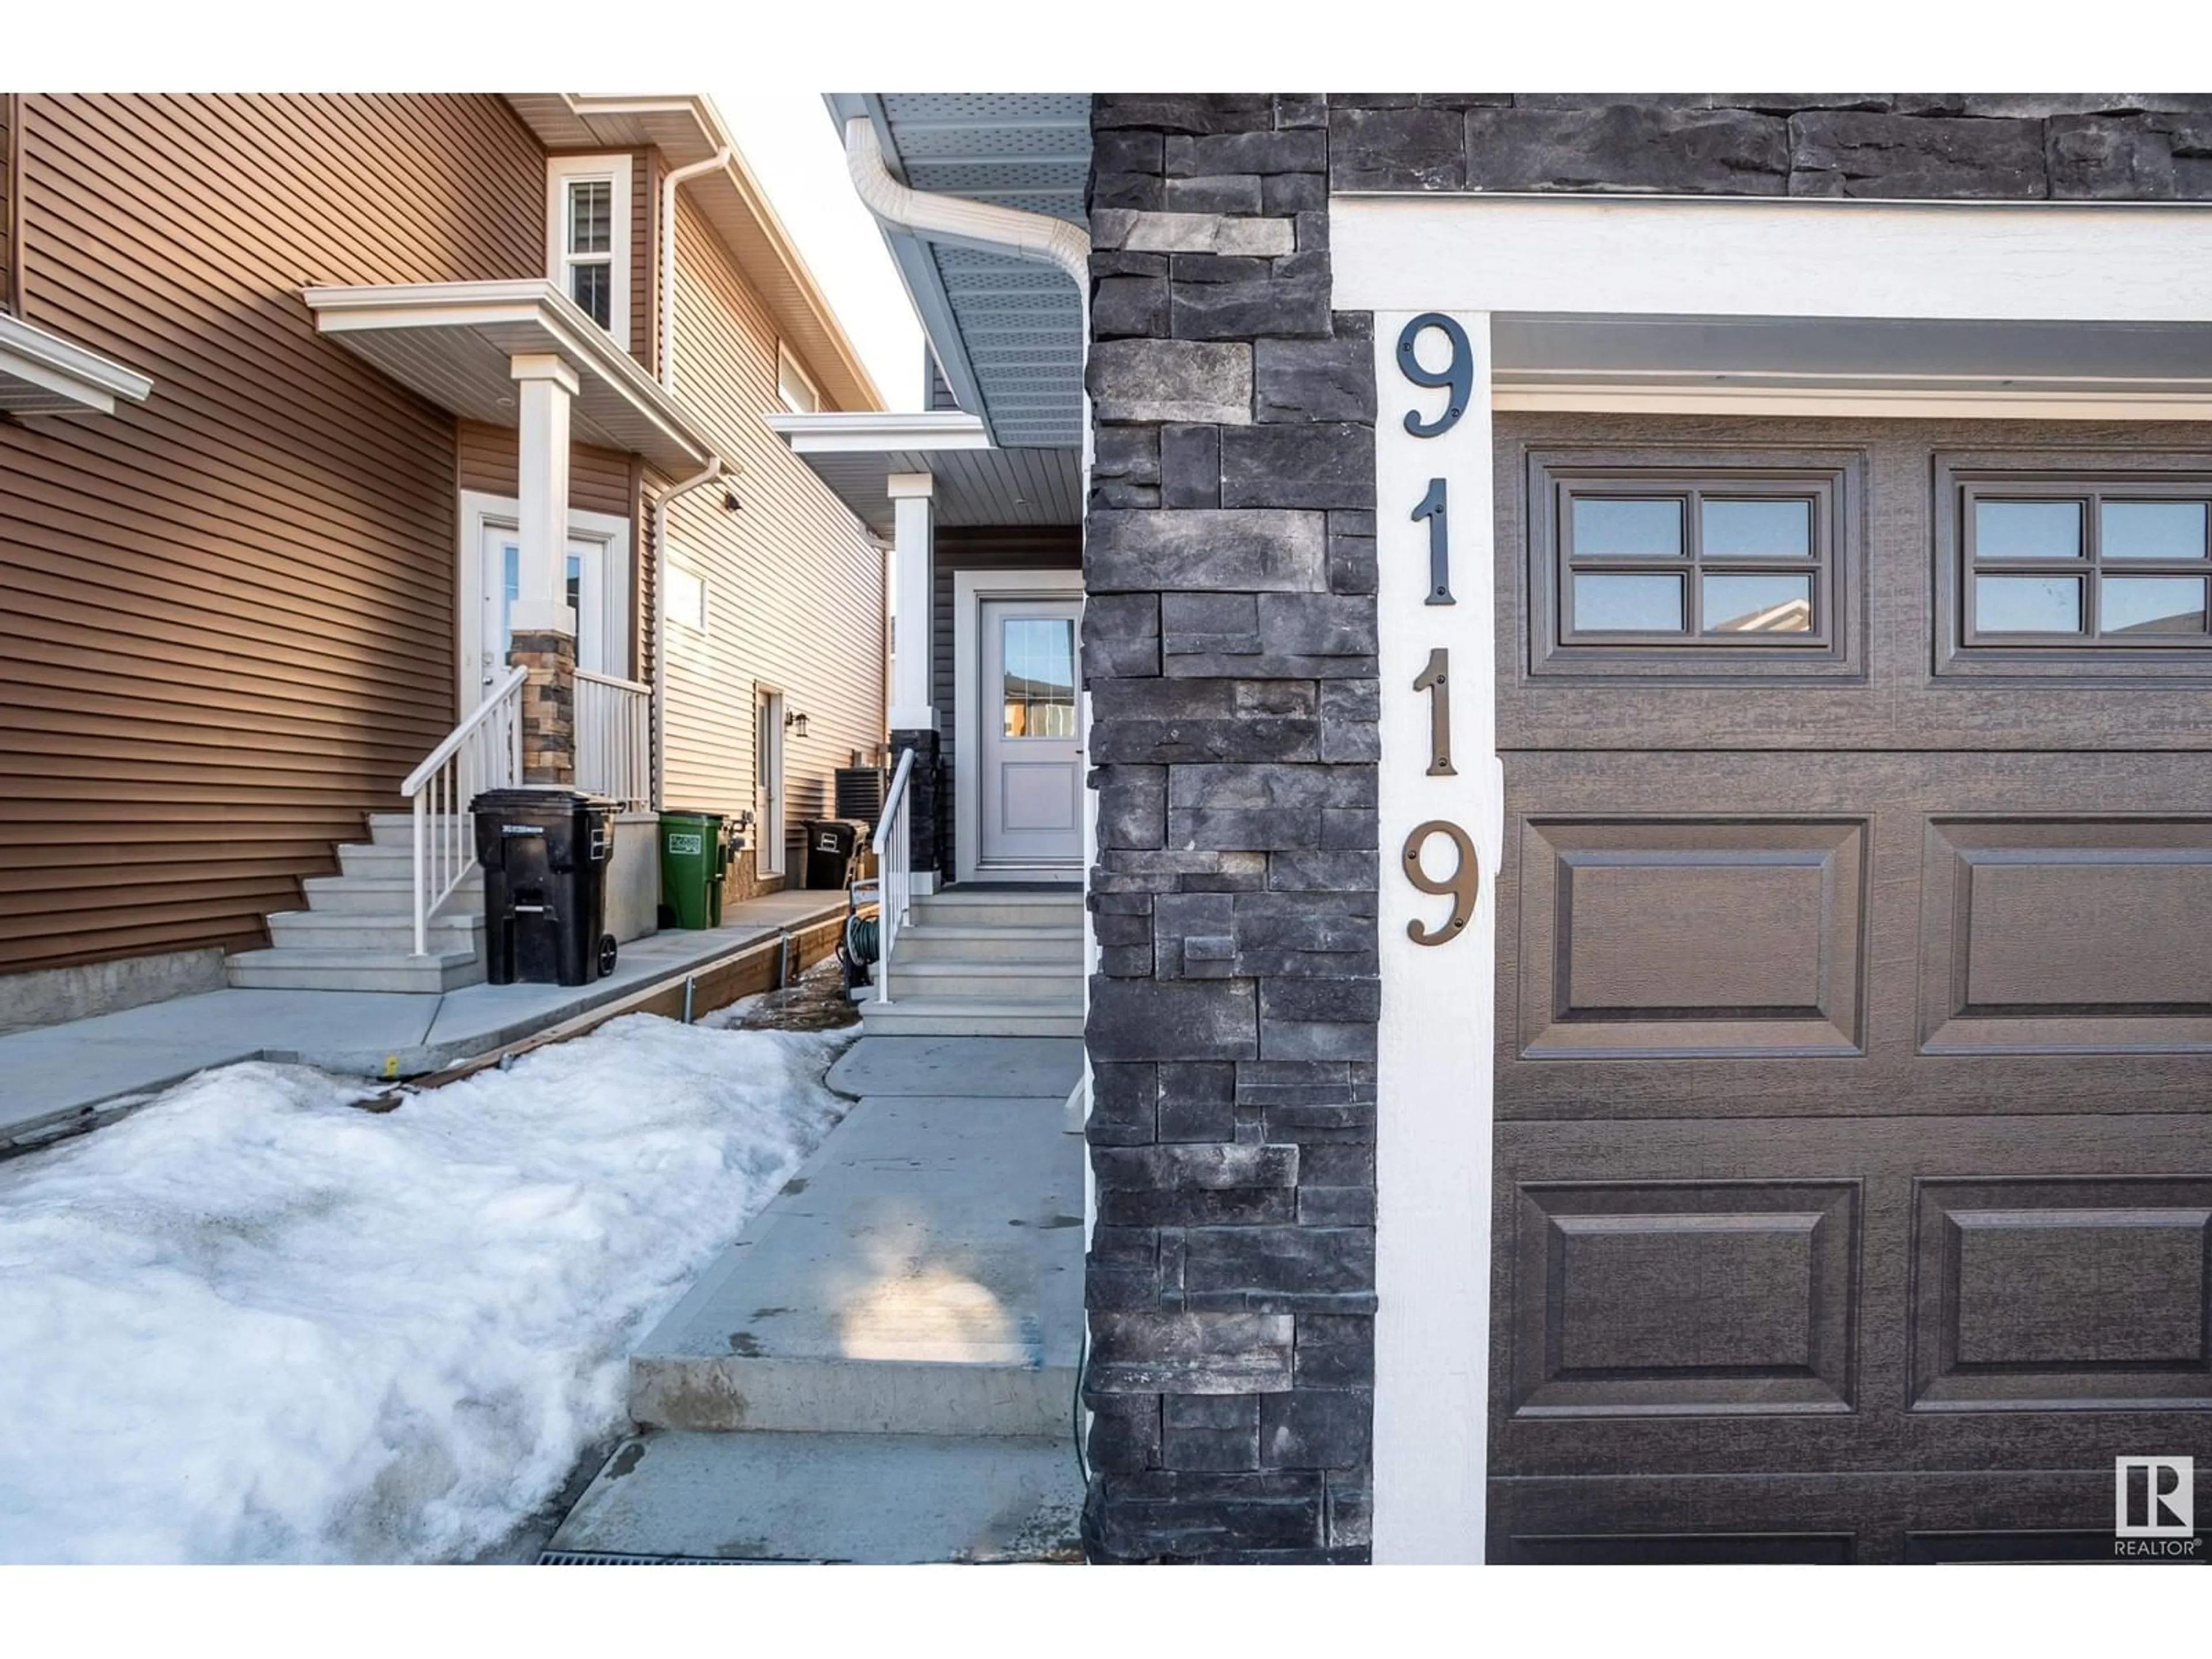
(1457, 376)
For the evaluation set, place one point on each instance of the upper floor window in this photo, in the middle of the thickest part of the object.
(1733, 560)
(587, 236)
(797, 392)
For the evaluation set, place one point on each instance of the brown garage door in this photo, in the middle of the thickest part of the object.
(1854, 1138)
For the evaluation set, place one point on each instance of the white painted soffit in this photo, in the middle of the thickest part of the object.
(977, 483)
(686, 128)
(452, 343)
(42, 374)
(1766, 363)
(1007, 333)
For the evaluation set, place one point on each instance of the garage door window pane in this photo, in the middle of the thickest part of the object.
(2151, 529)
(1628, 605)
(1758, 604)
(2027, 530)
(1771, 530)
(1620, 527)
(2153, 604)
(2027, 604)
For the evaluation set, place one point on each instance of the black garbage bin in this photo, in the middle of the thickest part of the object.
(545, 854)
(832, 844)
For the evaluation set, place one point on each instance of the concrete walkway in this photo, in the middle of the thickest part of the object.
(54, 1074)
(883, 1367)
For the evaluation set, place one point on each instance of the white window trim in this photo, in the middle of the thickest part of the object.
(560, 171)
(1600, 258)
(481, 512)
(682, 568)
(787, 365)
(969, 589)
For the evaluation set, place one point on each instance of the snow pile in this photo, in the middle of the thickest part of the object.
(253, 1322)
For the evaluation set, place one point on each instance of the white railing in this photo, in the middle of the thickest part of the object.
(485, 751)
(614, 738)
(894, 873)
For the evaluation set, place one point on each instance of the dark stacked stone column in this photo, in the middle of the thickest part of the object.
(925, 803)
(1230, 649)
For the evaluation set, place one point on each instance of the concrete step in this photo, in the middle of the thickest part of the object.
(1011, 982)
(965, 942)
(966, 1017)
(288, 969)
(1017, 908)
(346, 930)
(921, 1275)
(376, 859)
(397, 829)
(873, 1499)
(387, 896)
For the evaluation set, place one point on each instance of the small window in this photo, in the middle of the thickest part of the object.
(1635, 569)
(687, 598)
(797, 392)
(587, 236)
(2110, 560)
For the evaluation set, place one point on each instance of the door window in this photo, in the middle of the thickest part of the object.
(1037, 665)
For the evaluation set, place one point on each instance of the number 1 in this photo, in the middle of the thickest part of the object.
(1431, 680)
(1432, 509)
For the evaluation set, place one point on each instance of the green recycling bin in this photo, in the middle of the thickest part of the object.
(694, 859)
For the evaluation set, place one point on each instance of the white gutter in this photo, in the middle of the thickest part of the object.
(720, 158)
(1035, 236)
(660, 533)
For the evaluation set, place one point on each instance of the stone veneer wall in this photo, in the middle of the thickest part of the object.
(2121, 146)
(1230, 650)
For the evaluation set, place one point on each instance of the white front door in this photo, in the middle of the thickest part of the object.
(499, 584)
(1028, 773)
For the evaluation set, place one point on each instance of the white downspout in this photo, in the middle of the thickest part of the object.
(1034, 236)
(659, 534)
(669, 181)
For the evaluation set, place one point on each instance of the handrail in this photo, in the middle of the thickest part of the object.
(894, 872)
(614, 680)
(613, 724)
(893, 799)
(485, 751)
(461, 733)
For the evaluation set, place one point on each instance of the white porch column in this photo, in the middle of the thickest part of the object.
(541, 623)
(911, 495)
(546, 385)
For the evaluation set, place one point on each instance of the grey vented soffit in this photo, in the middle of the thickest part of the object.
(42, 374)
(1008, 334)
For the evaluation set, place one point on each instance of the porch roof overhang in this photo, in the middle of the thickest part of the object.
(1008, 333)
(686, 128)
(453, 344)
(42, 374)
(977, 483)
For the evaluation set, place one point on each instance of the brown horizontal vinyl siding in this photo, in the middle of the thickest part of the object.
(226, 615)
(794, 585)
(598, 479)
(1011, 548)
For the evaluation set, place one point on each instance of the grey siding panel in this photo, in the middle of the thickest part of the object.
(977, 550)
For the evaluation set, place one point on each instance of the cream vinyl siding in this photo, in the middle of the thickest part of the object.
(226, 614)
(794, 586)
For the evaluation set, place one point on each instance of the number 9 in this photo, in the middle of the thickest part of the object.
(1462, 884)
(1458, 374)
